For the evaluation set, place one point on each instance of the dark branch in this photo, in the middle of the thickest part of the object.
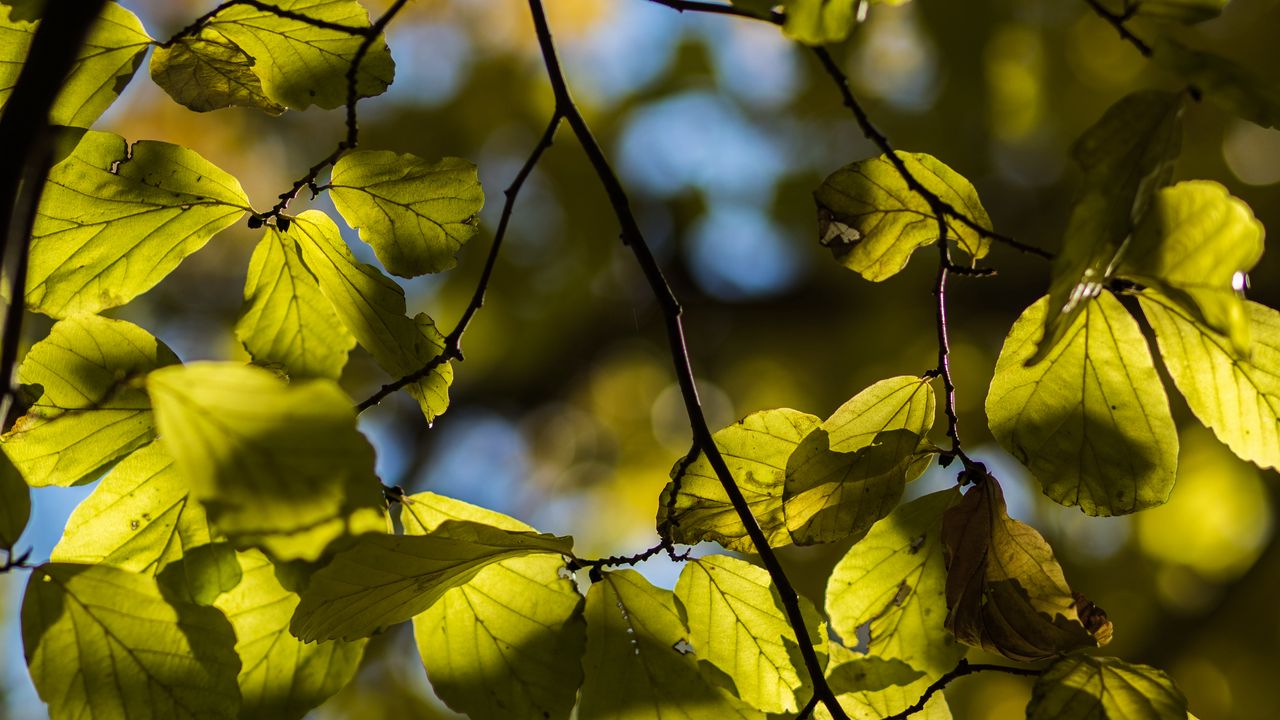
(628, 560)
(1117, 21)
(712, 8)
(806, 712)
(961, 669)
(671, 312)
(198, 24)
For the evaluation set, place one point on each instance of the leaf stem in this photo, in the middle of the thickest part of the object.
(964, 667)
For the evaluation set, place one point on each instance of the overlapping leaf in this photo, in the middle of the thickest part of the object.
(736, 624)
(114, 220)
(1184, 11)
(207, 71)
(850, 472)
(893, 580)
(873, 221)
(302, 64)
(1236, 397)
(1084, 687)
(1005, 590)
(287, 321)
(386, 579)
(506, 643)
(1126, 157)
(818, 22)
(414, 214)
(104, 65)
(873, 688)
(372, 306)
(88, 406)
(639, 663)
(276, 466)
(103, 642)
(1231, 86)
(15, 504)
(756, 449)
(1091, 421)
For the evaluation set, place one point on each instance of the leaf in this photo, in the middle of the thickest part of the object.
(818, 22)
(851, 471)
(372, 307)
(872, 688)
(140, 518)
(1126, 157)
(282, 678)
(88, 407)
(276, 466)
(208, 71)
(1183, 11)
(893, 580)
(736, 624)
(287, 321)
(1236, 397)
(1084, 687)
(755, 449)
(115, 220)
(15, 505)
(385, 579)
(508, 642)
(103, 67)
(873, 221)
(102, 642)
(638, 663)
(300, 64)
(1005, 590)
(1092, 421)
(414, 214)
(1195, 245)
(1231, 86)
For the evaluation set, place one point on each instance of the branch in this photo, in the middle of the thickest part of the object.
(671, 312)
(774, 17)
(453, 342)
(198, 24)
(596, 566)
(1118, 21)
(961, 669)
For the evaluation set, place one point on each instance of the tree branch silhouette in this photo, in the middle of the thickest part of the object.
(964, 667)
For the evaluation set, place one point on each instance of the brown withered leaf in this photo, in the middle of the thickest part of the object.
(1005, 591)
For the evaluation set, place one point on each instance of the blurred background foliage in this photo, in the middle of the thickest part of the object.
(565, 413)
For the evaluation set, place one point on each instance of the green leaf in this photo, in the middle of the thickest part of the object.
(1183, 11)
(115, 220)
(850, 472)
(276, 466)
(208, 71)
(88, 406)
(1195, 245)
(818, 22)
(15, 504)
(894, 581)
(1126, 157)
(372, 306)
(872, 688)
(414, 214)
(282, 678)
(736, 624)
(102, 642)
(1231, 86)
(756, 449)
(287, 321)
(385, 579)
(508, 642)
(1236, 397)
(639, 663)
(140, 518)
(103, 67)
(1084, 687)
(1091, 421)
(300, 64)
(872, 221)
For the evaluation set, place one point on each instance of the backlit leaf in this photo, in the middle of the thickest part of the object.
(1233, 87)
(287, 321)
(756, 449)
(372, 306)
(818, 22)
(1005, 590)
(873, 221)
(103, 642)
(851, 471)
(1091, 421)
(508, 642)
(207, 71)
(639, 663)
(414, 214)
(386, 579)
(114, 220)
(1236, 397)
(276, 466)
(15, 504)
(873, 688)
(894, 579)
(89, 408)
(1184, 11)
(1084, 687)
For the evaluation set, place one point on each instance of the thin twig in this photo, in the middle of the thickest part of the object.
(1117, 21)
(596, 566)
(806, 712)
(453, 341)
(671, 312)
(15, 562)
(963, 668)
(198, 24)
(712, 8)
